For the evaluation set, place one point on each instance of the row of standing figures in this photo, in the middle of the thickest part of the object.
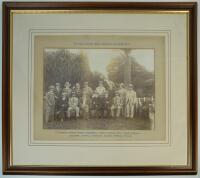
(74, 102)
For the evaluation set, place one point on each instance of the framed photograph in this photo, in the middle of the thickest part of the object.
(99, 88)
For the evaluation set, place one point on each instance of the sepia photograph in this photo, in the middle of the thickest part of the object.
(106, 89)
(99, 88)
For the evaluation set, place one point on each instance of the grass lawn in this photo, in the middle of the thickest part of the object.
(103, 124)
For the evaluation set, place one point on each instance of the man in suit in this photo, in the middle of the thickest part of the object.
(73, 106)
(58, 97)
(100, 89)
(66, 94)
(85, 105)
(77, 90)
(87, 90)
(130, 101)
(116, 106)
(64, 105)
(58, 90)
(50, 104)
(67, 90)
(94, 105)
(122, 94)
(87, 93)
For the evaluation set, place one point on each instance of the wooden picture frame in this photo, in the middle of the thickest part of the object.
(7, 99)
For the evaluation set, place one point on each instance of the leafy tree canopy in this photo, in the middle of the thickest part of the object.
(142, 79)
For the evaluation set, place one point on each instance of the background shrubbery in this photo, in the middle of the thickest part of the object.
(61, 66)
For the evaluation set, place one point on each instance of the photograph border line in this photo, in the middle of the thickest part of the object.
(33, 32)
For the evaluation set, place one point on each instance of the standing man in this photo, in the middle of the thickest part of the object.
(145, 108)
(66, 94)
(73, 106)
(78, 90)
(138, 107)
(94, 105)
(58, 89)
(86, 99)
(64, 105)
(50, 104)
(130, 101)
(67, 89)
(58, 97)
(87, 90)
(85, 105)
(107, 102)
(122, 94)
(100, 90)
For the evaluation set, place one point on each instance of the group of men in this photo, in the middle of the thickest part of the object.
(68, 102)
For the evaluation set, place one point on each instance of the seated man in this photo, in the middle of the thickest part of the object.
(73, 106)
(116, 106)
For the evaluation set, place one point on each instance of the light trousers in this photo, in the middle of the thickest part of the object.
(70, 109)
(129, 110)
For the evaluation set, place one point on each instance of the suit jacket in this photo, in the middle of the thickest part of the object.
(100, 90)
(131, 97)
(58, 93)
(73, 102)
(87, 91)
(117, 101)
(50, 99)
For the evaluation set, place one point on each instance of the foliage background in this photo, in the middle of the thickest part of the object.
(61, 66)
